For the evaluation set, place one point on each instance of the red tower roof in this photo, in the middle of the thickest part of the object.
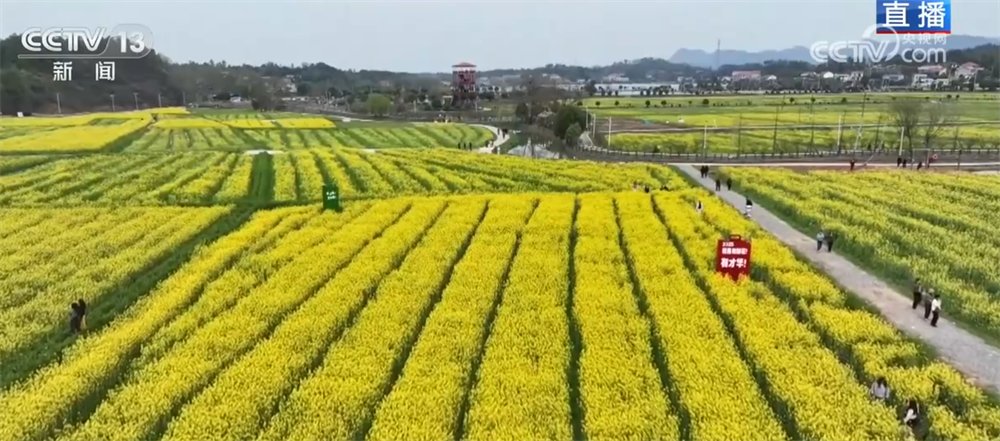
(464, 64)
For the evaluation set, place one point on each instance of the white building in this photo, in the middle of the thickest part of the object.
(966, 70)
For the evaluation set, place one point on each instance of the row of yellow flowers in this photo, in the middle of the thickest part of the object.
(716, 389)
(426, 402)
(301, 231)
(958, 263)
(195, 177)
(817, 394)
(38, 407)
(620, 387)
(522, 390)
(77, 138)
(340, 397)
(238, 403)
(957, 410)
(115, 245)
(138, 406)
(327, 161)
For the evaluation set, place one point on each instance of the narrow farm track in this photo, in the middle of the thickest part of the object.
(968, 353)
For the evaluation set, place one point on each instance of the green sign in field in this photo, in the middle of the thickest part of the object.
(331, 197)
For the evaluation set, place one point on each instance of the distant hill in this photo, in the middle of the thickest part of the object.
(701, 58)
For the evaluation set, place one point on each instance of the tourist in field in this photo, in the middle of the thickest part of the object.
(935, 310)
(718, 184)
(820, 237)
(918, 293)
(928, 303)
(664, 188)
(912, 416)
(635, 185)
(729, 184)
(829, 242)
(646, 188)
(699, 207)
(74, 318)
(83, 313)
(880, 389)
(852, 164)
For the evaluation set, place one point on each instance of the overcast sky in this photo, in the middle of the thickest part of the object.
(423, 36)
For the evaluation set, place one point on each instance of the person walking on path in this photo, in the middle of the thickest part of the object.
(920, 165)
(749, 208)
(729, 184)
(905, 161)
(918, 293)
(928, 299)
(899, 161)
(935, 310)
(820, 237)
(718, 184)
(880, 389)
(829, 242)
(852, 164)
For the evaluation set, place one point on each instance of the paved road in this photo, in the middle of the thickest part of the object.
(500, 139)
(969, 354)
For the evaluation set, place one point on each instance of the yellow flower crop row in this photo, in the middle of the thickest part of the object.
(188, 123)
(237, 183)
(284, 178)
(78, 138)
(398, 178)
(120, 246)
(425, 404)
(134, 409)
(238, 402)
(375, 185)
(198, 177)
(522, 391)
(818, 393)
(714, 386)
(902, 240)
(34, 409)
(337, 173)
(620, 387)
(305, 123)
(341, 395)
(956, 409)
(250, 123)
(303, 230)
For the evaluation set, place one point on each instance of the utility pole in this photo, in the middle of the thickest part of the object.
(704, 142)
(774, 136)
(112, 102)
(739, 137)
(862, 125)
(136, 97)
(159, 100)
(609, 132)
(58, 104)
(184, 98)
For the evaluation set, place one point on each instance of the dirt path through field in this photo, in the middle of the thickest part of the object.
(968, 353)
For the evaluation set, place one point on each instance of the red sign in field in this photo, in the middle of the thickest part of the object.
(732, 257)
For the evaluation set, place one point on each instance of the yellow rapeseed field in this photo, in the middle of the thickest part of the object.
(455, 296)
(532, 316)
(939, 227)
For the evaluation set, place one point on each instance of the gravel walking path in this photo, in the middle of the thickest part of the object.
(968, 353)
